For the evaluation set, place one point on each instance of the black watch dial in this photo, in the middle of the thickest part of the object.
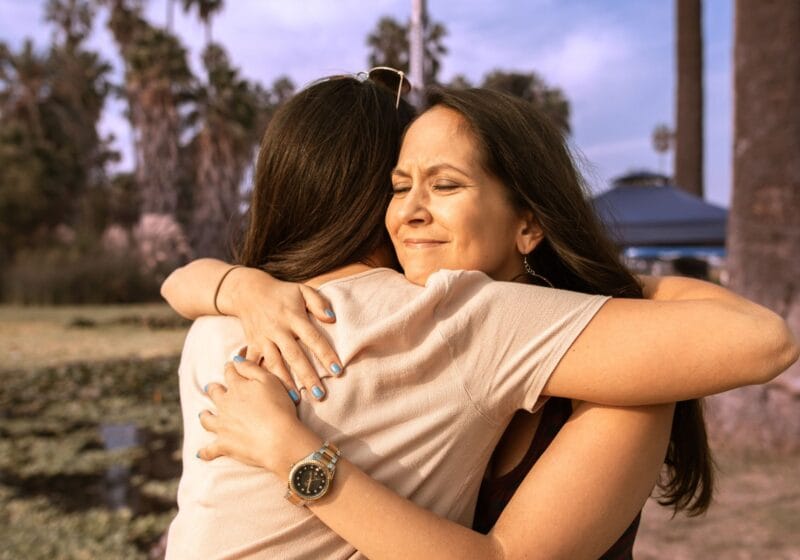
(310, 481)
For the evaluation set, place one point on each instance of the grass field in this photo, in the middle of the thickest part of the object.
(81, 376)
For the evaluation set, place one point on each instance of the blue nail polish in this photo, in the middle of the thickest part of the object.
(317, 392)
(205, 389)
(330, 313)
(336, 368)
(293, 394)
(238, 358)
(197, 454)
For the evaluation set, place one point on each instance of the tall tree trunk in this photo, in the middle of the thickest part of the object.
(216, 206)
(416, 55)
(764, 224)
(689, 127)
(155, 119)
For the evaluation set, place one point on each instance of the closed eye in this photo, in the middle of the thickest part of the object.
(446, 186)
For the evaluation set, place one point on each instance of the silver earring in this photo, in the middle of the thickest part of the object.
(529, 270)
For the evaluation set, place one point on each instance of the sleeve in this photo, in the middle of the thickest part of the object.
(506, 338)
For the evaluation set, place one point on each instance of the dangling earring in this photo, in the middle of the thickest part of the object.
(529, 270)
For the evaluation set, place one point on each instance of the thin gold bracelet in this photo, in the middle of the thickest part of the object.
(219, 285)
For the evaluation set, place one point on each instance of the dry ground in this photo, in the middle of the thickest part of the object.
(32, 337)
(756, 515)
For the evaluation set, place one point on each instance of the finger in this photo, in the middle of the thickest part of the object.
(298, 362)
(231, 375)
(274, 364)
(209, 421)
(244, 369)
(315, 341)
(252, 354)
(215, 391)
(318, 305)
(210, 452)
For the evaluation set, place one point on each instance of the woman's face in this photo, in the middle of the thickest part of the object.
(447, 211)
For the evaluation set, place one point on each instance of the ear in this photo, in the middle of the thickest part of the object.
(530, 233)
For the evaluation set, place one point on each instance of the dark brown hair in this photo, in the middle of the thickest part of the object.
(523, 149)
(322, 179)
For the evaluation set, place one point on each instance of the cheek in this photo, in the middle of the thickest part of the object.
(391, 221)
(486, 236)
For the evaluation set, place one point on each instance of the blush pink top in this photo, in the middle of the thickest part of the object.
(433, 376)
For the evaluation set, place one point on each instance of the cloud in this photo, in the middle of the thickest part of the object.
(587, 59)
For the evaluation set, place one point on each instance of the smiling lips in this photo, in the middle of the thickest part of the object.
(422, 243)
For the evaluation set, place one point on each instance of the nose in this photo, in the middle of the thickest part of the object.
(414, 209)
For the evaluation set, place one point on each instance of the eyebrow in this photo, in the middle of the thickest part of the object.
(430, 170)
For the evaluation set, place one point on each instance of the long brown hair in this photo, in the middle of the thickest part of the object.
(523, 149)
(323, 178)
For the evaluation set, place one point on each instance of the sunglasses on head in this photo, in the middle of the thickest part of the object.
(390, 78)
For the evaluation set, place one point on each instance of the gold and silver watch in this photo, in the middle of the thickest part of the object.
(311, 477)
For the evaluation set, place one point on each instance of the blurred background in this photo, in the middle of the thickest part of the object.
(128, 130)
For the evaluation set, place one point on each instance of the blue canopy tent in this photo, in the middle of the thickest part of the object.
(650, 217)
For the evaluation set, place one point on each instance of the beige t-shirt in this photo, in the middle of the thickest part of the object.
(433, 376)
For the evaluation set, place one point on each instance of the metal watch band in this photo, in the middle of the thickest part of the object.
(328, 455)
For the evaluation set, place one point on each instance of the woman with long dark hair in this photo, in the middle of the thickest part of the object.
(483, 182)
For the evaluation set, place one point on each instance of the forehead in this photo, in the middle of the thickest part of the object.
(440, 132)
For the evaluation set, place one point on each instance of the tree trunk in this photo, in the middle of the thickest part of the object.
(689, 120)
(764, 223)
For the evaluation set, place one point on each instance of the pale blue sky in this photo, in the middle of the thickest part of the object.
(613, 58)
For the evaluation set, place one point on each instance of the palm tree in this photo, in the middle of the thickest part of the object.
(205, 10)
(764, 224)
(689, 128)
(389, 46)
(230, 115)
(530, 87)
(157, 82)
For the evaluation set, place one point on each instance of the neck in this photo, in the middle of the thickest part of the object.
(343, 272)
(379, 258)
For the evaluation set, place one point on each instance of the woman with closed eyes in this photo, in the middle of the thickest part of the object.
(442, 366)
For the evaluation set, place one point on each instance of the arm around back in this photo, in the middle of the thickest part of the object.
(691, 340)
(190, 289)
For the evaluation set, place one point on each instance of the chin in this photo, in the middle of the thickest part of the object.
(417, 275)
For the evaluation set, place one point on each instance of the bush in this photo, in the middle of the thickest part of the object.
(61, 275)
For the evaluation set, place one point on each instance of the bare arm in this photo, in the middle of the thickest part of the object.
(576, 501)
(274, 316)
(190, 289)
(690, 340)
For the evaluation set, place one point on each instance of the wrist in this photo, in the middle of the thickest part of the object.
(295, 442)
(234, 284)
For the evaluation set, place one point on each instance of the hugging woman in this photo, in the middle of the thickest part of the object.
(437, 364)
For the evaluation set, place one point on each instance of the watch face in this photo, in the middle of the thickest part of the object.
(310, 480)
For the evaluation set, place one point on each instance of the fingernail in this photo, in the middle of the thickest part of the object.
(336, 368)
(317, 392)
(200, 414)
(294, 395)
(197, 454)
(205, 389)
(330, 313)
(238, 358)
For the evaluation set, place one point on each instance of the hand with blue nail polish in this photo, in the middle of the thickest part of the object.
(253, 416)
(278, 331)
